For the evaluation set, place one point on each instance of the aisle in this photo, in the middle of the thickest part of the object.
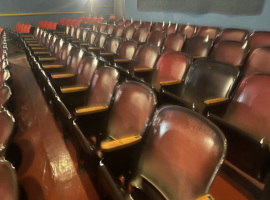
(47, 170)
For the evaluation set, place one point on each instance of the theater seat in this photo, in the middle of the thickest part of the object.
(259, 39)
(170, 28)
(110, 47)
(141, 35)
(198, 47)
(156, 38)
(118, 31)
(157, 26)
(232, 34)
(128, 33)
(207, 83)
(8, 182)
(187, 30)
(258, 61)
(170, 70)
(146, 25)
(174, 42)
(245, 124)
(231, 52)
(164, 169)
(208, 31)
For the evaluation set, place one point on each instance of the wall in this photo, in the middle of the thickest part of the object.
(40, 6)
(257, 22)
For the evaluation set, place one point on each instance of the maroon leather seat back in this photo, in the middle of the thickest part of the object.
(156, 38)
(133, 106)
(182, 154)
(259, 39)
(187, 30)
(232, 34)
(74, 59)
(72, 31)
(65, 53)
(112, 44)
(100, 40)
(118, 31)
(231, 52)
(128, 23)
(136, 24)
(249, 108)
(120, 22)
(127, 49)
(170, 28)
(258, 61)
(84, 34)
(146, 56)
(128, 32)
(8, 183)
(78, 33)
(103, 86)
(91, 36)
(68, 28)
(141, 35)
(86, 69)
(102, 27)
(146, 25)
(158, 26)
(198, 47)
(170, 66)
(207, 31)
(174, 42)
(5, 92)
(110, 28)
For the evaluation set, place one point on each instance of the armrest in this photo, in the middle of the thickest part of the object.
(35, 45)
(199, 57)
(53, 66)
(205, 197)
(28, 39)
(171, 82)
(47, 59)
(120, 143)
(38, 48)
(122, 60)
(27, 36)
(106, 54)
(84, 44)
(62, 75)
(33, 42)
(37, 53)
(143, 69)
(71, 89)
(94, 48)
(89, 110)
(212, 102)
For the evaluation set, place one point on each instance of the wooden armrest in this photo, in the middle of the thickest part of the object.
(211, 102)
(47, 59)
(199, 57)
(38, 48)
(89, 110)
(33, 42)
(94, 48)
(205, 197)
(84, 44)
(27, 36)
(120, 143)
(171, 82)
(28, 39)
(71, 89)
(35, 45)
(41, 53)
(53, 66)
(106, 54)
(121, 60)
(143, 69)
(63, 75)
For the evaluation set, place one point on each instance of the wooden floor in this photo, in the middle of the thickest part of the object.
(49, 168)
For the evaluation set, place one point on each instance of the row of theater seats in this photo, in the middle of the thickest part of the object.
(132, 101)
(77, 22)
(101, 108)
(48, 25)
(8, 180)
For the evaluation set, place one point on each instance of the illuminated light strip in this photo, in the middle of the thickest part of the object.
(43, 13)
(103, 6)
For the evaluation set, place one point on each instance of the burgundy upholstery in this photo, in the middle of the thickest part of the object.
(141, 35)
(170, 66)
(111, 45)
(207, 31)
(91, 37)
(128, 32)
(126, 49)
(156, 38)
(9, 183)
(5, 94)
(128, 23)
(187, 30)
(110, 28)
(102, 27)
(136, 24)
(118, 31)
(170, 28)
(131, 111)
(158, 26)
(72, 31)
(174, 42)
(230, 52)
(167, 168)
(84, 34)
(100, 40)
(120, 22)
(259, 39)
(146, 25)
(258, 61)
(232, 34)
(198, 47)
